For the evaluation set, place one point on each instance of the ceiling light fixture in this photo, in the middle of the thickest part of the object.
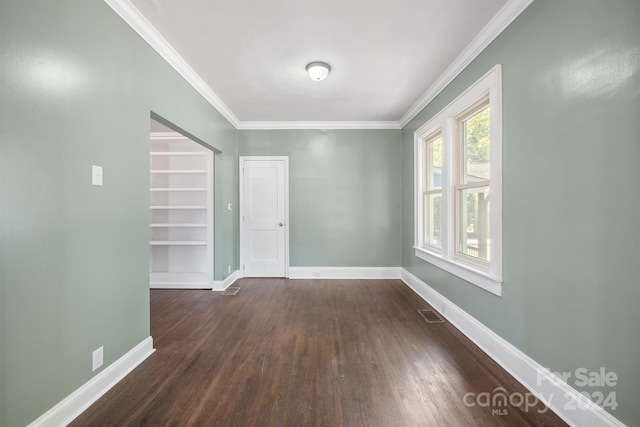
(318, 70)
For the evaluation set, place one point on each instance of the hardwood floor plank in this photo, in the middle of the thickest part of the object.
(307, 353)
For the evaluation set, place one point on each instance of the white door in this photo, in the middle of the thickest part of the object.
(264, 216)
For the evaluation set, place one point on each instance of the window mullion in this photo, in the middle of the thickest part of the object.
(448, 133)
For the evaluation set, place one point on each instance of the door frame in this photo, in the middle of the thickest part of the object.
(242, 160)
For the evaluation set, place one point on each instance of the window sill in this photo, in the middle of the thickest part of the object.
(471, 275)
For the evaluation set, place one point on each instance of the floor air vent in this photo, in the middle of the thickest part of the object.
(431, 316)
(231, 290)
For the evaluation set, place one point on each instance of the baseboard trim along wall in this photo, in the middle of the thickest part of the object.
(563, 399)
(344, 272)
(221, 285)
(78, 401)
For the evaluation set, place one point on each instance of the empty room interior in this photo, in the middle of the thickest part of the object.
(358, 213)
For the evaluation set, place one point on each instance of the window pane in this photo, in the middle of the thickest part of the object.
(473, 222)
(432, 210)
(434, 164)
(475, 147)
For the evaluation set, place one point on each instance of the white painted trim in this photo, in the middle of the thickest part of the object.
(221, 285)
(549, 389)
(286, 216)
(465, 272)
(344, 272)
(78, 401)
(136, 20)
(509, 12)
(241, 160)
(489, 88)
(211, 212)
(318, 125)
(179, 285)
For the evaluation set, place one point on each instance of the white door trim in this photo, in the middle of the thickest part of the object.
(241, 209)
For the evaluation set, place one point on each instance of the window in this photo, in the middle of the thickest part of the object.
(458, 205)
(433, 192)
(472, 184)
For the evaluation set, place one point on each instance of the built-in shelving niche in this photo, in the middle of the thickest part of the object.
(181, 212)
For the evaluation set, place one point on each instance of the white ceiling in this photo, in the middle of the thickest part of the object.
(248, 57)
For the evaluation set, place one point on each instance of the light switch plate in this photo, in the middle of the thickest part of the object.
(229, 206)
(97, 358)
(96, 175)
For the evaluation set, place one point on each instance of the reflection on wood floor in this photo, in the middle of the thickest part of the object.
(308, 353)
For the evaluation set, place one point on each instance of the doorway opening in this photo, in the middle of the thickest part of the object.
(181, 215)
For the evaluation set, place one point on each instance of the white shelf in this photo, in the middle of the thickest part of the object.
(177, 225)
(181, 227)
(177, 207)
(178, 153)
(178, 189)
(178, 243)
(179, 280)
(169, 136)
(176, 171)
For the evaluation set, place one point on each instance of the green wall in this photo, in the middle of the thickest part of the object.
(344, 194)
(77, 87)
(571, 101)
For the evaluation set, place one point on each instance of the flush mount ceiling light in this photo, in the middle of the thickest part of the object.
(318, 70)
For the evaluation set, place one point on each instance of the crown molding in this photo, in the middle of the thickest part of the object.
(318, 125)
(136, 20)
(509, 12)
(132, 16)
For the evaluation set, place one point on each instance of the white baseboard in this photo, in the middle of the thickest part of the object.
(344, 272)
(78, 401)
(221, 285)
(563, 399)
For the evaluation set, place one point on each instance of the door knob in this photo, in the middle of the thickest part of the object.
(281, 224)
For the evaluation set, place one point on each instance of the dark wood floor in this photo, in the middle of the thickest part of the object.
(307, 353)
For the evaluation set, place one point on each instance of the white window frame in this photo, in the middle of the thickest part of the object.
(426, 159)
(487, 276)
